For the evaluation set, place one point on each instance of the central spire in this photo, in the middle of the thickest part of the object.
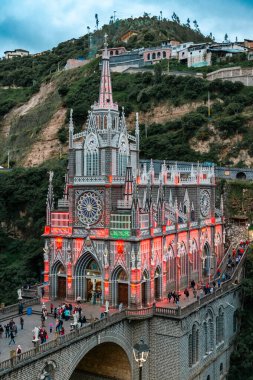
(105, 93)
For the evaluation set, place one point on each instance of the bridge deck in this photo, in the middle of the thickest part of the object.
(24, 337)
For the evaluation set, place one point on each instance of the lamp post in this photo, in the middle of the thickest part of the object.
(140, 351)
(248, 226)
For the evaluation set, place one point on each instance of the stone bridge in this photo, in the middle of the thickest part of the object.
(103, 350)
(224, 172)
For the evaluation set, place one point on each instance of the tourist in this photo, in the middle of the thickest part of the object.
(18, 351)
(50, 327)
(12, 337)
(120, 307)
(45, 336)
(7, 330)
(186, 293)
(55, 312)
(194, 293)
(193, 284)
(52, 308)
(20, 309)
(15, 329)
(169, 296)
(1, 331)
(22, 323)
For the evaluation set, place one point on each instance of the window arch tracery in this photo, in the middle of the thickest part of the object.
(91, 156)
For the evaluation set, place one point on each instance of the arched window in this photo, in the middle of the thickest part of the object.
(158, 54)
(122, 157)
(171, 264)
(208, 333)
(153, 56)
(148, 57)
(183, 260)
(220, 327)
(193, 346)
(164, 54)
(91, 156)
(194, 250)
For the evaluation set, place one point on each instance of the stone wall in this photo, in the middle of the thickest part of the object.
(168, 338)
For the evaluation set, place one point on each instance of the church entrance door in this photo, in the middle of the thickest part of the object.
(123, 293)
(61, 286)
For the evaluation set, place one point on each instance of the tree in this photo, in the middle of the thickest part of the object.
(175, 18)
(188, 23)
(226, 38)
(96, 18)
(196, 26)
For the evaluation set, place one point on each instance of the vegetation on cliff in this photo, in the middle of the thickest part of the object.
(22, 214)
(242, 357)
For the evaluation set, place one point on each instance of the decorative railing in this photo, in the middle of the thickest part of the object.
(93, 180)
(140, 313)
(14, 308)
(80, 134)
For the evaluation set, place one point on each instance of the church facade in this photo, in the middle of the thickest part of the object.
(124, 233)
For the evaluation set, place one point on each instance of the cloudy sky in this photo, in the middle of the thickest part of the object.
(38, 25)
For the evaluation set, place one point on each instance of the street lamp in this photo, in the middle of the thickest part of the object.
(140, 351)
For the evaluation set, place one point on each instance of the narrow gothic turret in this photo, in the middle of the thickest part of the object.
(122, 231)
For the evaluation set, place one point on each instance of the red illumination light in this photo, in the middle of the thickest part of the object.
(47, 230)
(120, 246)
(58, 241)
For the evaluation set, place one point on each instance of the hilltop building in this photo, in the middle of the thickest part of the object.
(9, 54)
(122, 233)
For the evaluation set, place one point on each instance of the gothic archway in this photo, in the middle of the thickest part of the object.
(158, 284)
(88, 278)
(58, 280)
(171, 270)
(194, 260)
(183, 259)
(104, 361)
(145, 285)
(206, 256)
(120, 286)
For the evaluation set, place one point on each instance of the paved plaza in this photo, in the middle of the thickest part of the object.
(24, 337)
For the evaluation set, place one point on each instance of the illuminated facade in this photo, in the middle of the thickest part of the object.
(122, 232)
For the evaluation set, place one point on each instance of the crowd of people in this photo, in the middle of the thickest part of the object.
(201, 288)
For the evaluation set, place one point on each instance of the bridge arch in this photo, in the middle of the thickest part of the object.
(111, 357)
(87, 277)
(241, 175)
